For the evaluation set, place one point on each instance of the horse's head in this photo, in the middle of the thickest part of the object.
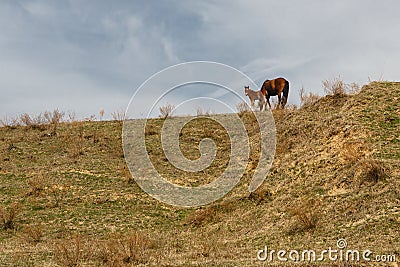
(246, 90)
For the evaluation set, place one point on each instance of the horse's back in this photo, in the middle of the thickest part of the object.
(274, 87)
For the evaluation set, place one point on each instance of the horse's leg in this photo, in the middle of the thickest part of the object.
(279, 101)
(284, 100)
(252, 104)
(269, 104)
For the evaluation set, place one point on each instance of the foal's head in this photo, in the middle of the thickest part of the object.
(246, 90)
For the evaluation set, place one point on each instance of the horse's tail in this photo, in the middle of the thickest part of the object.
(285, 93)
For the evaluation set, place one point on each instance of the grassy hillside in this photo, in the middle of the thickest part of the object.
(67, 199)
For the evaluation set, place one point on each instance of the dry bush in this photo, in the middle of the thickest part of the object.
(372, 171)
(54, 119)
(10, 122)
(56, 193)
(166, 110)
(306, 214)
(101, 113)
(26, 119)
(37, 122)
(150, 130)
(119, 116)
(209, 246)
(201, 112)
(126, 174)
(33, 233)
(307, 99)
(291, 107)
(71, 116)
(8, 216)
(201, 216)
(274, 104)
(69, 253)
(76, 143)
(352, 152)
(364, 168)
(261, 195)
(242, 107)
(41, 121)
(336, 87)
(119, 250)
(353, 88)
(37, 185)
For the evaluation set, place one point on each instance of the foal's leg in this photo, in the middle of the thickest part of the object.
(252, 104)
(263, 103)
(260, 104)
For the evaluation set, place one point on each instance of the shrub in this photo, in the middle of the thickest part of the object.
(33, 233)
(69, 252)
(372, 171)
(242, 107)
(166, 111)
(130, 249)
(307, 99)
(201, 112)
(305, 214)
(119, 116)
(101, 113)
(57, 193)
(54, 119)
(201, 216)
(9, 122)
(260, 196)
(336, 87)
(36, 185)
(8, 217)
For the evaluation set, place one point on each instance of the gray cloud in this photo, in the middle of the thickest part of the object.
(88, 55)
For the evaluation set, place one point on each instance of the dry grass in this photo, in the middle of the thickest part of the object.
(33, 233)
(341, 152)
(128, 249)
(353, 151)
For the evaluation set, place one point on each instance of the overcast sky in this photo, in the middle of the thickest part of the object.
(84, 56)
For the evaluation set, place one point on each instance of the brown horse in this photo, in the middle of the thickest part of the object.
(275, 87)
(255, 95)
